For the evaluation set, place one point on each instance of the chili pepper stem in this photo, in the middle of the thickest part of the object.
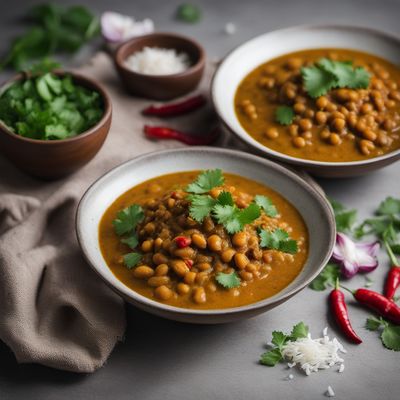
(337, 284)
(347, 289)
(391, 255)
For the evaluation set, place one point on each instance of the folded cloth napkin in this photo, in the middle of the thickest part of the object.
(53, 309)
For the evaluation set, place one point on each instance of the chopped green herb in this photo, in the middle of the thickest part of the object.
(225, 199)
(279, 339)
(188, 13)
(132, 242)
(389, 206)
(266, 204)
(206, 181)
(326, 74)
(284, 115)
(344, 218)
(278, 240)
(326, 278)
(127, 219)
(228, 281)
(201, 206)
(132, 259)
(390, 334)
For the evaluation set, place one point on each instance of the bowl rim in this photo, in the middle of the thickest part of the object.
(192, 69)
(91, 83)
(248, 139)
(276, 299)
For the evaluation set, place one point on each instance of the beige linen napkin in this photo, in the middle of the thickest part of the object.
(53, 309)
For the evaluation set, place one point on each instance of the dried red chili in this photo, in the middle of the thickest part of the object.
(175, 109)
(339, 309)
(160, 132)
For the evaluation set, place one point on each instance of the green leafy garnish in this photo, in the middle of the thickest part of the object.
(132, 241)
(326, 74)
(390, 206)
(228, 281)
(284, 115)
(55, 29)
(326, 278)
(344, 218)
(278, 240)
(127, 219)
(279, 339)
(132, 259)
(201, 206)
(188, 13)
(206, 181)
(266, 204)
(225, 199)
(49, 107)
(390, 334)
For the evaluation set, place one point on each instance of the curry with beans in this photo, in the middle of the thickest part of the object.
(217, 243)
(344, 124)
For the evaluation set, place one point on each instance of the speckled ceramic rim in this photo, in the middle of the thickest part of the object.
(90, 83)
(193, 68)
(245, 137)
(128, 293)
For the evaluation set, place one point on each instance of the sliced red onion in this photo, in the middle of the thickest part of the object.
(353, 256)
(117, 28)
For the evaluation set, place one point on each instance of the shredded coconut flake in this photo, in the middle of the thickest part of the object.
(158, 61)
(314, 354)
(330, 392)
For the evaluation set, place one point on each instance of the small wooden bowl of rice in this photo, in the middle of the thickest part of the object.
(160, 66)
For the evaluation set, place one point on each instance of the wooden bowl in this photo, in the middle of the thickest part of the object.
(161, 87)
(51, 159)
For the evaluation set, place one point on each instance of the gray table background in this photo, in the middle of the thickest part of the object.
(161, 359)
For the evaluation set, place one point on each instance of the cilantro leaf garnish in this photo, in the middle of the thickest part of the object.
(228, 281)
(344, 218)
(201, 206)
(326, 278)
(225, 199)
(132, 241)
(266, 204)
(132, 259)
(206, 181)
(326, 74)
(390, 334)
(249, 214)
(284, 115)
(190, 13)
(278, 240)
(279, 339)
(127, 219)
(389, 206)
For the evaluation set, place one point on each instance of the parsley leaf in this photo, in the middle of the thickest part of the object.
(278, 240)
(326, 278)
(284, 115)
(206, 181)
(201, 206)
(390, 335)
(278, 339)
(132, 259)
(132, 241)
(266, 204)
(127, 219)
(228, 281)
(271, 357)
(344, 218)
(299, 331)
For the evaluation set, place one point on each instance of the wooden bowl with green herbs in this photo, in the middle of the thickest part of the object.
(52, 124)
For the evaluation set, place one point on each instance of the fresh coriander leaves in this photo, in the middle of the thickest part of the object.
(132, 259)
(228, 281)
(390, 206)
(190, 13)
(266, 204)
(326, 278)
(201, 206)
(326, 74)
(131, 241)
(284, 115)
(127, 219)
(278, 240)
(206, 181)
(279, 339)
(390, 334)
(344, 218)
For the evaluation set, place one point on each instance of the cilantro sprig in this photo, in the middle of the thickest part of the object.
(228, 281)
(284, 115)
(278, 240)
(344, 218)
(266, 204)
(132, 259)
(327, 278)
(326, 75)
(206, 181)
(279, 339)
(389, 333)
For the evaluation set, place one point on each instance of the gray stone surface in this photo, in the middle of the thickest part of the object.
(161, 359)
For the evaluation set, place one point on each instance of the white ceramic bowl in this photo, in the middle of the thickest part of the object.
(261, 49)
(313, 207)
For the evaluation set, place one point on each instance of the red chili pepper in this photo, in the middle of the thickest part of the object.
(339, 309)
(174, 109)
(160, 132)
(182, 241)
(393, 277)
(378, 303)
(189, 263)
